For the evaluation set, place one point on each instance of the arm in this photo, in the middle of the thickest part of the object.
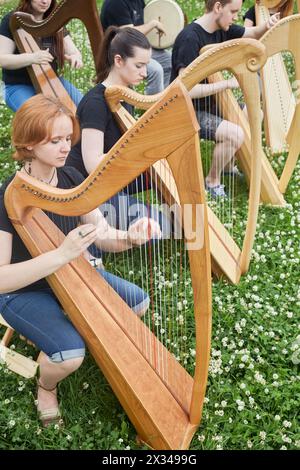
(257, 31)
(112, 240)
(18, 275)
(11, 61)
(148, 27)
(248, 23)
(72, 54)
(201, 90)
(92, 148)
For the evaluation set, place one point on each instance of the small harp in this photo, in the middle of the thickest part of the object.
(227, 258)
(163, 401)
(26, 30)
(284, 36)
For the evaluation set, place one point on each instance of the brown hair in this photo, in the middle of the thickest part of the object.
(25, 6)
(120, 41)
(33, 123)
(209, 4)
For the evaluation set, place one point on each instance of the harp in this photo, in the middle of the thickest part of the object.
(227, 257)
(163, 401)
(26, 30)
(283, 37)
(278, 99)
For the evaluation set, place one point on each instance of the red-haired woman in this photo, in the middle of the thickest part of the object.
(55, 50)
(26, 301)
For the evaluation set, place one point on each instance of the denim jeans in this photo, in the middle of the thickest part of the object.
(38, 316)
(158, 71)
(16, 95)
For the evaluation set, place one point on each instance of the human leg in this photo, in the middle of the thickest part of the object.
(155, 78)
(74, 93)
(134, 296)
(164, 58)
(39, 317)
(16, 95)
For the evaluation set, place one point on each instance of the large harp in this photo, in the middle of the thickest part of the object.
(282, 37)
(26, 31)
(243, 57)
(278, 99)
(163, 401)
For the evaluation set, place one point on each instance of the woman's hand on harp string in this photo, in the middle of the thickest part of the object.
(75, 60)
(143, 230)
(273, 20)
(42, 57)
(77, 241)
(232, 83)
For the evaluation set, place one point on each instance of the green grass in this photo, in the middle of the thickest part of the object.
(252, 399)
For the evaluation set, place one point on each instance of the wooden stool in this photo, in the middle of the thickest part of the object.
(14, 361)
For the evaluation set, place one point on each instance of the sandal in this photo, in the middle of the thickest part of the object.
(49, 415)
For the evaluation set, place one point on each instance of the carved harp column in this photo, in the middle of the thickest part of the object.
(243, 57)
(163, 401)
(25, 31)
(284, 36)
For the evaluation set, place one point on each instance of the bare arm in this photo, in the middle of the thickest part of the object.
(201, 90)
(72, 54)
(148, 27)
(11, 61)
(257, 31)
(18, 275)
(92, 148)
(112, 240)
(248, 23)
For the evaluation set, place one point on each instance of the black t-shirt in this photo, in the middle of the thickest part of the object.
(189, 42)
(93, 113)
(122, 12)
(21, 76)
(67, 178)
(250, 15)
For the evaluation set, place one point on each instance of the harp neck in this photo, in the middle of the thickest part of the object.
(129, 157)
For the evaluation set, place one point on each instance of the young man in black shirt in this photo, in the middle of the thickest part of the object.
(131, 13)
(215, 26)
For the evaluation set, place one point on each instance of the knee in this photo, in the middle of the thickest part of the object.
(70, 365)
(236, 137)
(142, 307)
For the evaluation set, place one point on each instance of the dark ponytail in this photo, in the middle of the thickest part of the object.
(121, 41)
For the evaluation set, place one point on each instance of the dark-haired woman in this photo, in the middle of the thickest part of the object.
(124, 56)
(54, 50)
(26, 301)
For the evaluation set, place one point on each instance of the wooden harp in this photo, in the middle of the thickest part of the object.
(26, 30)
(284, 36)
(163, 401)
(227, 258)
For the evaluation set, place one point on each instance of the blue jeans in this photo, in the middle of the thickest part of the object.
(158, 71)
(38, 316)
(16, 95)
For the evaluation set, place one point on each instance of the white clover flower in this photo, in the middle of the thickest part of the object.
(201, 438)
(249, 444)
(277, 418)
(11, 423)
(287, 424)
(262, 435)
